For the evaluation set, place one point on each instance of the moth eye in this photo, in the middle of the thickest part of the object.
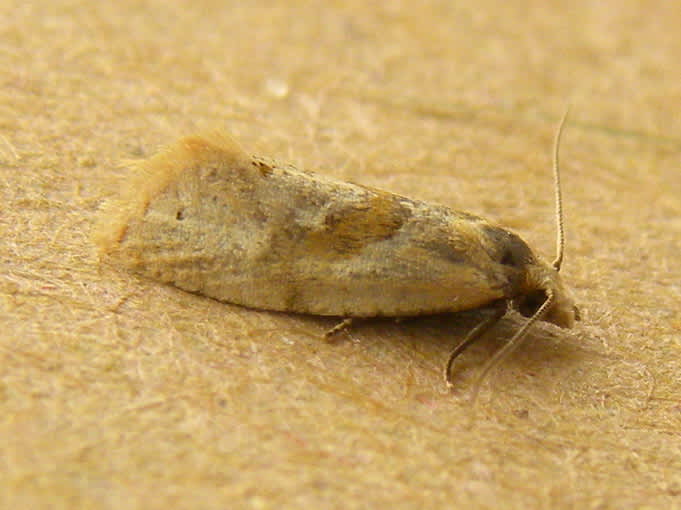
(179, 215)
(529, 304)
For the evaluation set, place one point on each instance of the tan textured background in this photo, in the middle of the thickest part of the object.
(117, 392)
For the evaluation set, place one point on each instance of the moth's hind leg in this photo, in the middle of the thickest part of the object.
(341, 326)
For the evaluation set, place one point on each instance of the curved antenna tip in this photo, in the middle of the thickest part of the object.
(560, 229)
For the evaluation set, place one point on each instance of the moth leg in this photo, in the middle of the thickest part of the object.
(477, 332)
(342, 325)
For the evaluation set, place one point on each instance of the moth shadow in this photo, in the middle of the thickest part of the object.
(424, 344)
(546, 348)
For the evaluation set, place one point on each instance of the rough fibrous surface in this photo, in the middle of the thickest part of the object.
(120, 392)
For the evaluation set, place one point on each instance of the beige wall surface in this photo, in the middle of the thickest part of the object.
(120, 392)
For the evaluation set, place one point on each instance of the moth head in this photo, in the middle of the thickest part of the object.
(541, 282)
(541, 292)
(535, 288)
(532, 280)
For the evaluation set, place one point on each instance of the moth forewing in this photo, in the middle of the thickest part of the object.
(239, 230)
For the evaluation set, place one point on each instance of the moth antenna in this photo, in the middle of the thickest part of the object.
(510, 346)
(560, 230)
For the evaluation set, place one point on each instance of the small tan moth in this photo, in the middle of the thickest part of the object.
(208, 218)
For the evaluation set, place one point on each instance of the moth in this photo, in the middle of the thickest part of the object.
(209, 218)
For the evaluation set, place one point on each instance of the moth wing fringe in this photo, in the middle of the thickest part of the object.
(146, 178)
